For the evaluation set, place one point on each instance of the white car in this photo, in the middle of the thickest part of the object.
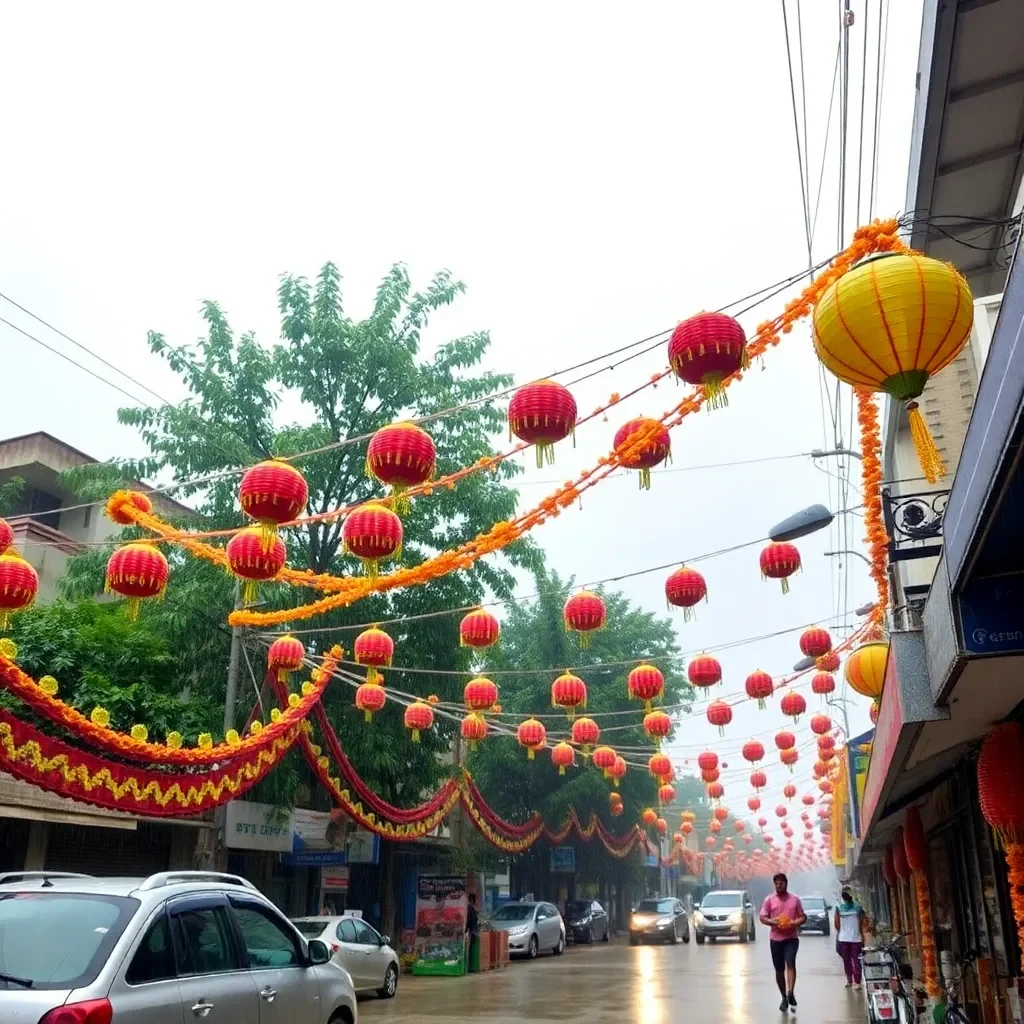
(532, 928)
(361, 950)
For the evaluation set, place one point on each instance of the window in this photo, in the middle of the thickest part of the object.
(202, 941)
(266, 941)
(542, 913)
(154, 959)
(650, 906)
(60, 940)
(723, 900)
(365, 935)
(347, 930)
(514, 912)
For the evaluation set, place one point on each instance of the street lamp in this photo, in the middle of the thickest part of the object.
(847, 551)
(800, 524)
(820, 453)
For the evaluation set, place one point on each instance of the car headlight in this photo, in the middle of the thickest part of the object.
(663, 921)
(698, 917)
(736, 918)
(518, 930)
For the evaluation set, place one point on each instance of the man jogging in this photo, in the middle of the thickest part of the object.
(784, 914)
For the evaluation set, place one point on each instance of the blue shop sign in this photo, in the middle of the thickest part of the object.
(563, 860)
(315, 858)
(652, 860)
(992, 615)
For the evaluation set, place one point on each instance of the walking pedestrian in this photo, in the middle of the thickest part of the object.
(849, 920)
(784, 914)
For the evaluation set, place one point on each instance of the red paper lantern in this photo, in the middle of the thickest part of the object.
(615, 809)
(820, 769)
(753, 751)
(789, 791)
(710, 774)
(758, 780)
(707, 760)
(657, 725)
(286, 655)
(617, 770)
(604, 758)
(686, 828)
(666, 794)
(785, 739)
(715, 825)
(272, 493)
(252, 562)
(562, 757)
(419, 717)
(542, 414)
(370, 698)
(719, 714)
(115, 510)
(704, 671)
(876, 706)
(828, 662)
(659, 766)
(642, 455)
(789, 757)
(808, 799)
(473, 729)
(709, 841)
(793, 705)
(372, 533)
(720, 813)
(779, 561)
(583, 613)
(678, 838)
(137, 571)
(684, 589)
(815, 642)
(704, 350)
(480, 694)
(740, 826)
(645, 683)
(569, 692)
(759, 687)
(821, 724)
(649, 816)
(374, 649)
(761, 824)
(532, 735)
(479, 629)
(585, 733)
(780, 811)
(1000, 783)
(662, 826)
(753, 803)
(823, 683)
(401, 455)
(716, 791)
(826, 785)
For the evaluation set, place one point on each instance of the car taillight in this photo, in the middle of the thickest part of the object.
(92, 1011)
(335, 947)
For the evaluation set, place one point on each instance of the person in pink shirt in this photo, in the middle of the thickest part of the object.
(784, 914)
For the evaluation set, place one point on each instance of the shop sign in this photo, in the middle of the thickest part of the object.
(334, 879)
(563, 860)
(252, 826)
(318, 839)
(883, 747)
(859, 753)
(441, 908)
(363, 847)
(992, 615)
(652, 860)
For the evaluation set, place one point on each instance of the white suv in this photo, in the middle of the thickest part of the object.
(177, 946)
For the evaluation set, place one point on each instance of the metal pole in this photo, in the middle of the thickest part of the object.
(234, 661)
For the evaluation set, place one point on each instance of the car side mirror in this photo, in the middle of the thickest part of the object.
(319, 952)
(696, 906)
(385, 940)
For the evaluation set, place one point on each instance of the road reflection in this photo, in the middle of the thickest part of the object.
(737, 1009)
(650, 998)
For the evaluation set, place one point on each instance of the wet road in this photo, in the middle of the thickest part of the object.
(721, 984)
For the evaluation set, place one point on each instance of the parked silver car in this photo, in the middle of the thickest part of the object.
(724, 913)
(532, 928)
(361, 950)
(177, 946)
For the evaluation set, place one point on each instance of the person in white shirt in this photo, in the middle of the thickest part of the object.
(848, 921)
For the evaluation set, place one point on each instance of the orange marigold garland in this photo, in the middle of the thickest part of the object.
(916, 847)
(871, 485)
(655, 449)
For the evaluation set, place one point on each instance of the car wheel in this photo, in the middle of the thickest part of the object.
(634, 940)
(753, 933)
(827, 931)
(390, 983)
(531, 950)
(590, 936)
(560, 948)
(686, 934)
(675, 935)
(699, 936)
(605, 937)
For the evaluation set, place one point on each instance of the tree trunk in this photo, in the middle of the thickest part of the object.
(388, 886)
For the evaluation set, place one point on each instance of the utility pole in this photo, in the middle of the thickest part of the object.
(234, 661)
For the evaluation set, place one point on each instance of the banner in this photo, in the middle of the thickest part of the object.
(441, 907)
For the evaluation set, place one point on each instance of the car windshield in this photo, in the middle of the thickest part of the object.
(59, 940)
(578, 907)
(656, 907)
(514, 912)
(813, 903)
(312, 928)
(721, 899)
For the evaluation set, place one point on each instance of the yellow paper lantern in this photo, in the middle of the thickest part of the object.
(890, 324)
(865, 668)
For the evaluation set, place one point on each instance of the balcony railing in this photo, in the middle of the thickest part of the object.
(914, 523)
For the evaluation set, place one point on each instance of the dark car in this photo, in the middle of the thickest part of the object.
(661, 918)
(586, 920)
(817, 910)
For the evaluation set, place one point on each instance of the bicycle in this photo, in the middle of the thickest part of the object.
(955, 1013)
(885, 978)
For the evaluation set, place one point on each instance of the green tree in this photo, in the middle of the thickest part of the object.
(533, 639)
(339, 379)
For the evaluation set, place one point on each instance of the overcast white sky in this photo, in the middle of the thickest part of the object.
(594, 172)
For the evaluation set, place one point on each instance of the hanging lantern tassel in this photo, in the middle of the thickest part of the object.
(924, 444)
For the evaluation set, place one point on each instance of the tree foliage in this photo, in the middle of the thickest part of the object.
(339, 379)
